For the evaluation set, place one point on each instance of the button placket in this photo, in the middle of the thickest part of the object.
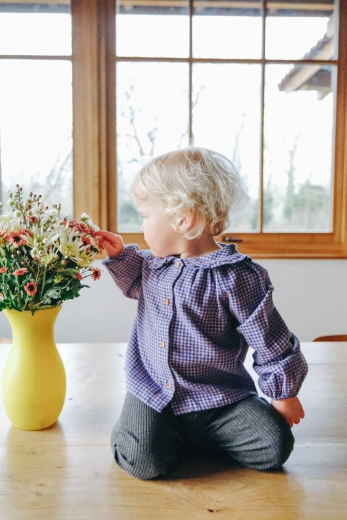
(165, 300)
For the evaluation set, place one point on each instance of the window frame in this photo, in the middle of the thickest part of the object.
(94, 134)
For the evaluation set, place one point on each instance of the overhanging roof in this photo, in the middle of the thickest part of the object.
(313, 76)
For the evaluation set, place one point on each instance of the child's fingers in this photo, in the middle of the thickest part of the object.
(101, 241)
(105, 237)
(113, 244)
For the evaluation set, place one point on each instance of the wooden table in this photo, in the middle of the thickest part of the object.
(67, 471)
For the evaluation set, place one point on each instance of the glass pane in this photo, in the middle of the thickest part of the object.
(224, 31)
(152, 30)
(298, 154)
(226, 118)
(300, 30)
(33, 29)
(36, 129)
(152, 118)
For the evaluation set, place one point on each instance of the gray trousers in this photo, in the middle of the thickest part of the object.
(146, 443)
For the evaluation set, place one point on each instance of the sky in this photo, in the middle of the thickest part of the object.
(230, 97)
(36, 97)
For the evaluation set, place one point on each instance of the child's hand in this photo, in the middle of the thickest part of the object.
(113, 244)
(291, 409)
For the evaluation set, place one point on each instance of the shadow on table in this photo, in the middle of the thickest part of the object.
(197, 462)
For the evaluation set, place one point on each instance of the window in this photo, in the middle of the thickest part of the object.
(262, 82)
(36, 100)
(259, 82)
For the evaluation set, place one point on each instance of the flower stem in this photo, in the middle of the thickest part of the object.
(4, 286)
(19, 297)
(43, 283)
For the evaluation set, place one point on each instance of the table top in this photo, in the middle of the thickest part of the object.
(67, 470)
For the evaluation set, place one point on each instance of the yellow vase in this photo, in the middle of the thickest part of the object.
(33, 381)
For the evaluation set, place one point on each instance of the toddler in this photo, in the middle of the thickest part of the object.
(201, 304)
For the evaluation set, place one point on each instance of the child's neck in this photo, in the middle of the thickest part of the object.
(200, 246)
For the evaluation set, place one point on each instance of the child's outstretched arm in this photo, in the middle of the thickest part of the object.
(124, 263)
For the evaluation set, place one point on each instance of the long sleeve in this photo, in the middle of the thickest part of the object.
(126, 271)
(278, 359)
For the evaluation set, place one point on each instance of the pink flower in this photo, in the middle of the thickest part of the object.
(78, 225)
(93, 234)
(79, 276)
(26, 232)
(85, 240)
(96, 274)
(30, 288)
(3, 270)
(15, 239)
(19, 272)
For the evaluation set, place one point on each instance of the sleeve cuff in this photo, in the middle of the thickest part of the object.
(128, 250)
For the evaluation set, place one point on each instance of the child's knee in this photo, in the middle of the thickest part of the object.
(138, 466)
(135, 460)
(281, 448)
(271, 450)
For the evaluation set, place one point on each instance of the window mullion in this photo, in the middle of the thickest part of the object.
(190, 86)
(86, 116)
(340, 163)
(262, 108)
(107, 114)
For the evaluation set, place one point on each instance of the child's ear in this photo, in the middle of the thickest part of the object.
(186, 222)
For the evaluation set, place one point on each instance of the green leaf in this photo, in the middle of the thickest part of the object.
(70, 295)
(52, 293)
(55, 288)
(69, 272)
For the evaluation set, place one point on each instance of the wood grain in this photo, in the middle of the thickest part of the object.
(67, 471)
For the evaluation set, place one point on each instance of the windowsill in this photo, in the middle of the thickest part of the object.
(280, 246)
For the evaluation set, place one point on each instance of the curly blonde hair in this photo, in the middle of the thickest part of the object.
(193, 179)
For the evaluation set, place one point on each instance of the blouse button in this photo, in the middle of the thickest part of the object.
(166, 301)
(168, 385)
(178, 264)
(162, 344)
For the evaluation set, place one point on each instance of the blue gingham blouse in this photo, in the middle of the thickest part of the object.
(196, 319)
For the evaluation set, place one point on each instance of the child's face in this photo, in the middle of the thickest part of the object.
(159, 234)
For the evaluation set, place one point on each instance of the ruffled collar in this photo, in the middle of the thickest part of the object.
(227, 255)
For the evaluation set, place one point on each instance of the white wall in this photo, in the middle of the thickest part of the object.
(311, 295)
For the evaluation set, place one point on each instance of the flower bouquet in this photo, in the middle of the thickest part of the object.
(44, 255)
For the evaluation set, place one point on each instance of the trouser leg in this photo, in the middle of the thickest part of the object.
(145, 443)
(251, 431)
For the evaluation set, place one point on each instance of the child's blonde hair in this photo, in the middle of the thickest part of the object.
(193, 179)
